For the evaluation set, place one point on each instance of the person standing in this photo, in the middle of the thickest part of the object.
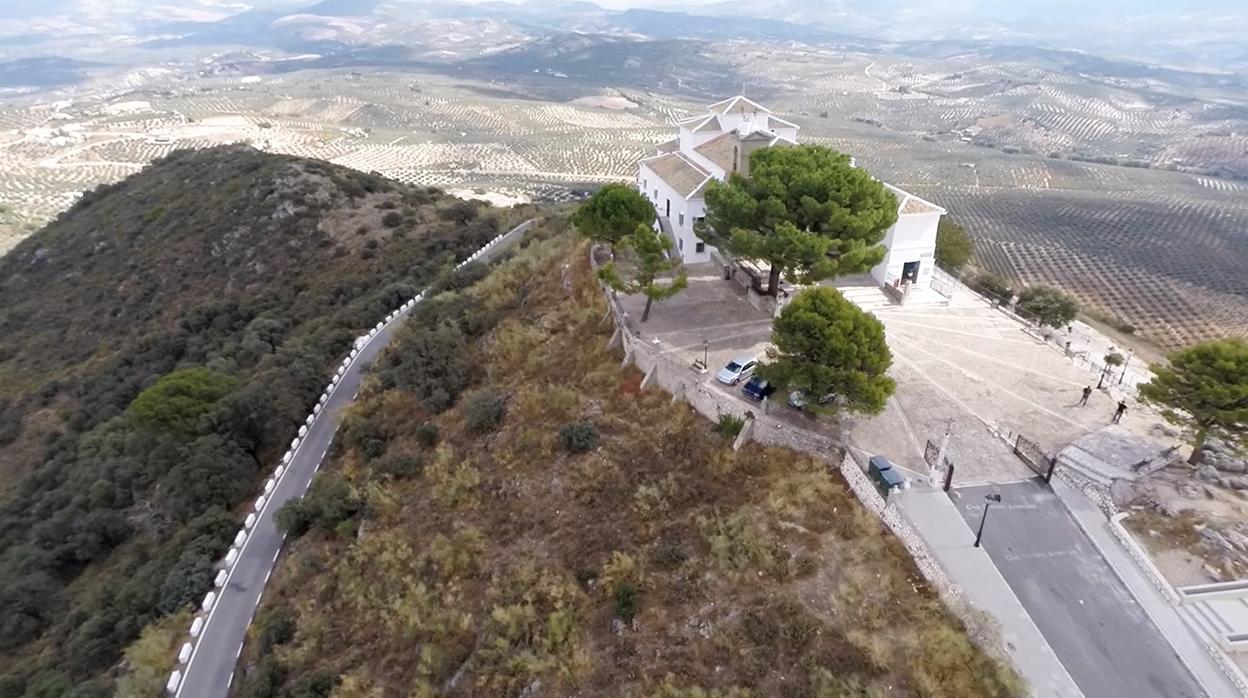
(1122, 409)
(1087, 393)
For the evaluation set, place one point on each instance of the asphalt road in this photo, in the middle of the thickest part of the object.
(211, 667)
(1107, 642)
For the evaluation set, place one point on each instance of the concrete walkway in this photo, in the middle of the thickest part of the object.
(949, 539)
(1190, 650)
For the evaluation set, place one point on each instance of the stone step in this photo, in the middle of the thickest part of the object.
(869, 298)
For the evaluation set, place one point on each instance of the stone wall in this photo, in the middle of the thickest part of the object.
(1128, 543)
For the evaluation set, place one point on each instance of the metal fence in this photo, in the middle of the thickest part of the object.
(943, 282)
(1034, 455)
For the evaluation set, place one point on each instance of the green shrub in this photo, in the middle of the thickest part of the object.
(994, 287)
(484, 410)
(729, 425)
(578, 437)
(275, 627)
(392, 219)
(625, 598)
(294, 519)
(328, 502)
(427, 434)
(399, 466)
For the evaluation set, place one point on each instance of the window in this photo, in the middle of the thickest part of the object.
(681, 244)
(682, 220)
(736, 156)
(700, 247)
(656, 194)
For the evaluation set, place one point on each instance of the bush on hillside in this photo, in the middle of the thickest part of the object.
(399, 466)
(427, 434)
(577, 437)
(484, 410)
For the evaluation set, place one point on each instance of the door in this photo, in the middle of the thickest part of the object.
(910, 272)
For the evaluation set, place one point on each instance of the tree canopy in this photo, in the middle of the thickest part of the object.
(613, 213)
(1048, 305)
(644, 272)
(1204, 388)
(804, 210)
(954, 246)
(824, 344)
(177, 401)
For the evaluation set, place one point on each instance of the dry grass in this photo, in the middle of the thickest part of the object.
(752, 572)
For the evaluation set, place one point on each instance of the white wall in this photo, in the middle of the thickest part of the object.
(685, 243)
(911, 239)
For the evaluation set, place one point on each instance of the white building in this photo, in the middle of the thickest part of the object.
(719, 142)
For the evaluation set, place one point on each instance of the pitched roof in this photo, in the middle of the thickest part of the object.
(775, 119)
(678, 172)
(719, 150)
(711, 124)
(738, 103)
(668, 146)
(910, 204)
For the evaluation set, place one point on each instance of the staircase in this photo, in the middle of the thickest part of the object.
(1220, 619)
(869, 298)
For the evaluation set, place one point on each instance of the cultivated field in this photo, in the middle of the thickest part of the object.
(1017, 151)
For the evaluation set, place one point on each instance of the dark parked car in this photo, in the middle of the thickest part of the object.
(757, 389)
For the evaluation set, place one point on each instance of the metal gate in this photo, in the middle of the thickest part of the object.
(1034, 455)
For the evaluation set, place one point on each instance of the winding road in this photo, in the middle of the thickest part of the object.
(210, 669)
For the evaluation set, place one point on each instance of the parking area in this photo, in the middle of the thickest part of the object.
(965, 367)
(1105, 640)
(713, 320)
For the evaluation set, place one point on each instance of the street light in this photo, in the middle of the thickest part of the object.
(1125, 364)
(706, 347)
(988, 500)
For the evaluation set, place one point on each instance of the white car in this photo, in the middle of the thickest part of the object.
(738, 368)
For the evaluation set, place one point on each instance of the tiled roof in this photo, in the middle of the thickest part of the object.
(719, 150)
(668, 147)
(678, 172)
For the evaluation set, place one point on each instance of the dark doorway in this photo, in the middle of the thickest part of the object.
(668, 213)
(910, 272)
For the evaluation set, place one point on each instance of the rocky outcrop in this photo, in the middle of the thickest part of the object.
(1218, 456)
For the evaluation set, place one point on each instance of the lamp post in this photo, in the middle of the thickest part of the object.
(1125, 364)
(988, 500)
(706, 347)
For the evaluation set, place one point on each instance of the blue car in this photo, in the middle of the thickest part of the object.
(757, 389)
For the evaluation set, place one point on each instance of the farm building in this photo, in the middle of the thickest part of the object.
(720, 142)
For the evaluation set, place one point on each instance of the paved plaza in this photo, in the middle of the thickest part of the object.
(965, 366)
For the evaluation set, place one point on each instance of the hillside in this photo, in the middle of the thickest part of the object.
(507, 513)
(159, 342)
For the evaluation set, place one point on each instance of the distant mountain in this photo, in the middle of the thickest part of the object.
(1209, 38)
(1191, 34)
